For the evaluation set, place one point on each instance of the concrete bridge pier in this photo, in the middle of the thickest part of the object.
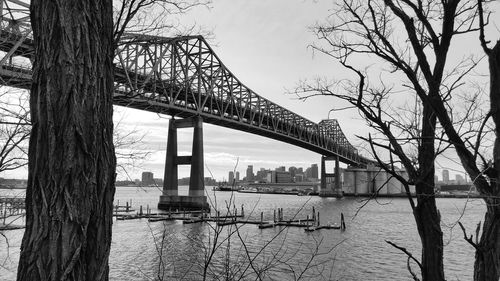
(196, 200)
(330, 182)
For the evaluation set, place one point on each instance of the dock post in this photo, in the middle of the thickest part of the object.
(242, 211)
(274, 215)
(261, 217)
(342, 222)
(318, 219)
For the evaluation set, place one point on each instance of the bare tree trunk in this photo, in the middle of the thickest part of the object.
(487, 264)
(426, 214)
(71, 155)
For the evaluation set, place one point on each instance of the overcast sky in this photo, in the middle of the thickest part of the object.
(264, 44)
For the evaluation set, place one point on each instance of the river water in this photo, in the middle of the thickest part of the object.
(143, 250)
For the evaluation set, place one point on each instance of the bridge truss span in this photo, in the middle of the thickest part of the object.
(182, 77)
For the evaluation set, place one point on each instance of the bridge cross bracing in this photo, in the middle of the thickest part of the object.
(182, 77)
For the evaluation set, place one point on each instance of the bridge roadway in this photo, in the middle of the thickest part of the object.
(183, 77)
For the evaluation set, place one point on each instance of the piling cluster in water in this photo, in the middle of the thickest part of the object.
(231, 217)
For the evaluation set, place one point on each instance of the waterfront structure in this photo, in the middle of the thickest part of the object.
(181, 77)
(372, 180)
(147, 178)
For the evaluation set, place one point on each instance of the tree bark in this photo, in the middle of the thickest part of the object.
(71, 155)
(426, 213)
(487, 263)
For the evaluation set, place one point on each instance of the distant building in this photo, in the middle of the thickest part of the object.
(459, 179)
(183, 181)
(249, 176)
(281, 169)
(446, 176)
(314, 171)
(210, 181)
(261, 175)
(237, 176)
(283, 177)
(147, 178)
(299, 177)
(230, 178)
(292, 170)
(278, 177)
(308, 173)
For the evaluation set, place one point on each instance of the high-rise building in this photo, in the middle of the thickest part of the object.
(281, 169)
(250, 173)
(230, 178)
(308, 173)
(446, 176)
(292, 170)
(237, 176)
(460, 179)
(147, 178)
(261, 175)
(314, 171)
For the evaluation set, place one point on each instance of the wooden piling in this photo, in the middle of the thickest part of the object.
(342, 222)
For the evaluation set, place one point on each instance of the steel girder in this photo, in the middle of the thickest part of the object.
(180, 76)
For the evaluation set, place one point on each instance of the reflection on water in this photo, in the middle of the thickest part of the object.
(173, 251)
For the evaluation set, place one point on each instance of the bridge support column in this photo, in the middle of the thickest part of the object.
(196, 200)
(330, 182)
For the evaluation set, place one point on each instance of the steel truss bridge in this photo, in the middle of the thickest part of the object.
(182, 77)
